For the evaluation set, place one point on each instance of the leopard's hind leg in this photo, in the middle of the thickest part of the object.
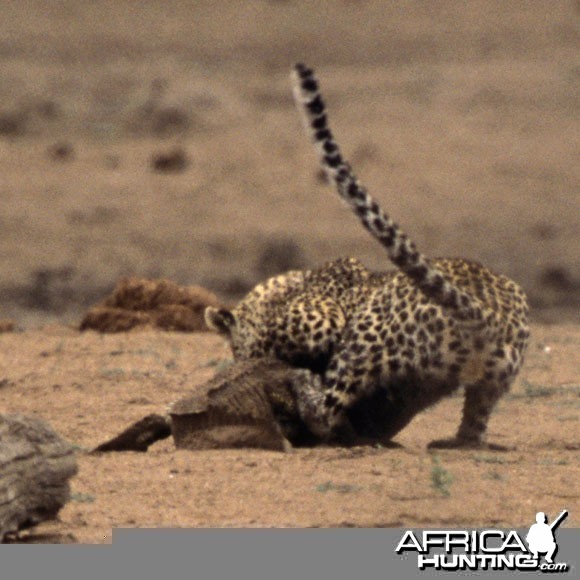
(481, 397)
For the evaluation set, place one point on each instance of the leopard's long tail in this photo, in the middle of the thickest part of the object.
(401, 250)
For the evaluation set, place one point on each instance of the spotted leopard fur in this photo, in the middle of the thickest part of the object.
(377, 348)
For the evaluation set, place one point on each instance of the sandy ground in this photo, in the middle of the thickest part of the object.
(161, 141)
(91, 386)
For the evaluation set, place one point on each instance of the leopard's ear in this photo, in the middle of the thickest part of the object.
(220, 320)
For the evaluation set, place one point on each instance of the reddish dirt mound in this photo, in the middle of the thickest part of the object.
(6, 326)
(154, 303)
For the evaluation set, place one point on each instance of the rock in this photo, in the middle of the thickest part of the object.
(36, 465)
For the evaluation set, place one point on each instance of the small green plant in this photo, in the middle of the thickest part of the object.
(80, 448)
(171, 365)
(82, 497)
(533, 391)
(567, 418)
(494, 475)
(114, 373)
(551, 461)
(338, 487)
(493, 459)
(441, 479)
(218, 363)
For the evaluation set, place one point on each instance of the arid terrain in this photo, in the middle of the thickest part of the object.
(160, 140)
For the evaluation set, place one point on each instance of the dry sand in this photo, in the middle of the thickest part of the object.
(91, 386)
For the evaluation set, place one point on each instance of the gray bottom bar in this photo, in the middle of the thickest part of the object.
(217, 554)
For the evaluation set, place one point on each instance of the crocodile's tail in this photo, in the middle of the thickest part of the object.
(402, 251)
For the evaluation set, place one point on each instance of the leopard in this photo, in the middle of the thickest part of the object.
(374, 349)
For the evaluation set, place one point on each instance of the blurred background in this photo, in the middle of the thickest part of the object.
(159, 139)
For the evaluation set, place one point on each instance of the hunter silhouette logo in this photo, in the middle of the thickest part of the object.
(487, 549)
(540, 538)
